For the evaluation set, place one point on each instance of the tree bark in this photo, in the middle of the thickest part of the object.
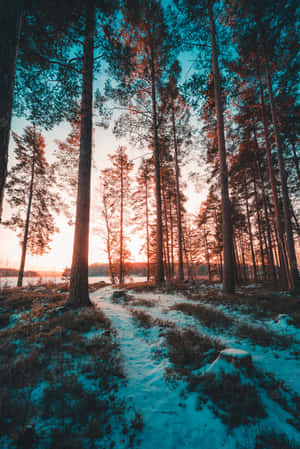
(296, 160)
(121, 274)
(79, 295)
(228, 270)
(10, 29)
(293, 277)
(108, 244)
(27, 222)
(178, 202)
(168, 264)
(159, 271)
(250, 230)
(259, 225)
(207, 252)
(147, 229)
(278, 221)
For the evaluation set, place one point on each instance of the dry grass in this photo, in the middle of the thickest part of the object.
(273, 440)
(217, 320)
(146, 320)
(265, 305)
(189, 350)
(236, 403)
(66, 351)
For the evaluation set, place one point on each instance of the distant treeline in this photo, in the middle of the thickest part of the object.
(135, 269)
(6, 272)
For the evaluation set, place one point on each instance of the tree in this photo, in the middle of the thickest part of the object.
(34, 52)
(116, 194)
(79, 295)
(142, 204)
(10, 29)
(199, 16)
(30, 190)
(149, 47)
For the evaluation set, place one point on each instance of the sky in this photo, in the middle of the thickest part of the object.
(105, 143)
(60, 254)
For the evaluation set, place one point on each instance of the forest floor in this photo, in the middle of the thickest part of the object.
(143, 368)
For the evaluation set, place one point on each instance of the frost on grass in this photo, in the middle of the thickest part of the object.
(60, 374)
(253, 301)
(219, 321)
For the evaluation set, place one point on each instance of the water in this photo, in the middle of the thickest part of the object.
(11, 281)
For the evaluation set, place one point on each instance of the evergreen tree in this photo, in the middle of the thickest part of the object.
(30, 191)
(150, 47)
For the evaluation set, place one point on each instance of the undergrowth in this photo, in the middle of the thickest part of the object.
(60, 372)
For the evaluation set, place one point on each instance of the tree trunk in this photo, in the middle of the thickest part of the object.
(168, 265)
(228, 271)
(293, 277)
(121, 271)
(259, 225)
(172, 237)
(79, 295)
(178, 203)
(159, 271)
(10, 29)
(272, 180)
(207, 253)
(296, 160)
(25, 239)
(278, 221)
(108, 247)
(250, 231)
(147, 229)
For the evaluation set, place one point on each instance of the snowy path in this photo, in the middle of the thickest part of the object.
(170, 422)
(281, 362)
(170, 419)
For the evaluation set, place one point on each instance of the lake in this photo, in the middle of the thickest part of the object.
(11, 281)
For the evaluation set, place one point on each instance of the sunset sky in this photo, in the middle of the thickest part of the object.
(105, 143)
(61, 248)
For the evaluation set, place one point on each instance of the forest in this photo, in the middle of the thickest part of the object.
(236, 112)
(206, 93)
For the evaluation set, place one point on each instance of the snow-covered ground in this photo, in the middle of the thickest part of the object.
(170, 414)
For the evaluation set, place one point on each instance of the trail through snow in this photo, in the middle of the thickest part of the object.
(170, 416)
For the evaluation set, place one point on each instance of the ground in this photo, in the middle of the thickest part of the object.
(142, 368)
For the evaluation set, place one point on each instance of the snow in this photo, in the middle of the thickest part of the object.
(171, 417)
(238, 353)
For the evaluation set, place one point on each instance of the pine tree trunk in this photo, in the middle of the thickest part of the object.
(10, 28)
(168, 265)
(26, 229)
(259, 225)
(228, 271)
(159, 271)
(207, 253)
(147, 230)
(172, 238)
(293, 278)
(79, 295)
(121, 271)
(278, 221)
(296, 160)
(250, 231)
(237, 262)
(178, 203)
(271, 175)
